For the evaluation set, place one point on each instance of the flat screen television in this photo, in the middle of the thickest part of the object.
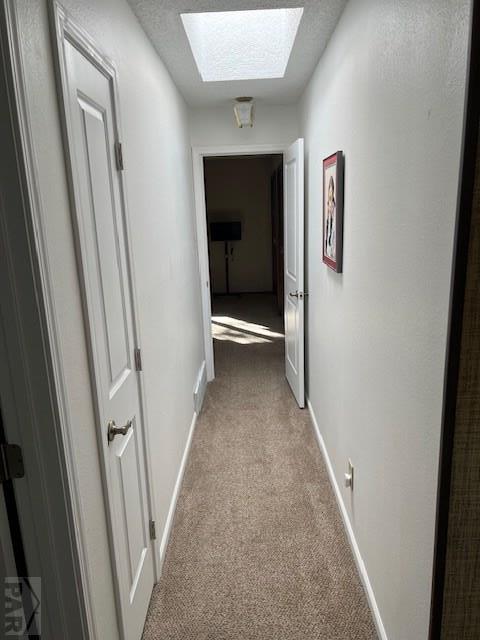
(225, 231)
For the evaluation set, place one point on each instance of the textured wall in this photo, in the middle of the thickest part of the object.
(389, 92)
(461, 614)
(273, 124)
(160, 201)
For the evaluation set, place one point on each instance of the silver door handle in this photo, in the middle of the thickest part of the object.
(298, 294)
(293, 295)
(113, 430)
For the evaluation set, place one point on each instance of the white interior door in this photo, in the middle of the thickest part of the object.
(294, 268)
(101, 231)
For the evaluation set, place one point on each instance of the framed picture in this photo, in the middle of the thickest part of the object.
(333, 211)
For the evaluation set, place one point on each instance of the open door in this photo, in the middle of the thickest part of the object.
(294, 267)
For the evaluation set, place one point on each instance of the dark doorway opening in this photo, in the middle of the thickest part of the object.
(244, 203)
(244, 207)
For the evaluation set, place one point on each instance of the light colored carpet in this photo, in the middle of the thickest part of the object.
(258, 550)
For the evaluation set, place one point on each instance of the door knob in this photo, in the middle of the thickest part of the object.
(113, 430)
(293, 295)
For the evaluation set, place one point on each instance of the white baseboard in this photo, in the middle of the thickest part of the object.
(351, 536)
(198, 396)
(176, 490)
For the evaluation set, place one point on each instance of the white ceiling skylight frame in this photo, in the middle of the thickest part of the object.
(242, 45)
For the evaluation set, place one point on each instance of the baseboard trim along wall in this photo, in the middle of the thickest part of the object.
(176, 491)
(350, 533)
(198, 399)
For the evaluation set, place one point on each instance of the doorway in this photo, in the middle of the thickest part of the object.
(230, 227)
(244, 220)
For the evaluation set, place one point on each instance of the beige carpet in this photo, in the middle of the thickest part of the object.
(258, 550)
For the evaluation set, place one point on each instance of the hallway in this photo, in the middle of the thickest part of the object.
(315, 162)
(258, 550)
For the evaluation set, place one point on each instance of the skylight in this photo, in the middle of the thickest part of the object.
(242, 45)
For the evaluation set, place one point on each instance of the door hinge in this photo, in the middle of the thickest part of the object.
(119, 156)
(153, 530)
(11, 462)
(138, 360)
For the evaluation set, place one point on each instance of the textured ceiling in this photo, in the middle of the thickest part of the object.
(162, 23)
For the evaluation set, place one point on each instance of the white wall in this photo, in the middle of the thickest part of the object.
(238, 189)
(388, 91)
(273, 124)
(158, 174)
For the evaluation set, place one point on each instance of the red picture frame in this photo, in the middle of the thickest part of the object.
(332, 225)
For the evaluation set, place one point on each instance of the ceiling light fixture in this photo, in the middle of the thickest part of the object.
(243, 110)
(242, 45)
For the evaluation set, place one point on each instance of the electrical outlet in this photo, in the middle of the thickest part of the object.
(349, 476)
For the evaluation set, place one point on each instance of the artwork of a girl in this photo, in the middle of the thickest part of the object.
(330, 221)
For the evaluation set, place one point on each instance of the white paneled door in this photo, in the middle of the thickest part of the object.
(294, 270)
(88, 91)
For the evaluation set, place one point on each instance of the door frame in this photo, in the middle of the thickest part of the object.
(64, 28)
(36, 412)
(465, 202)
(198, 155)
